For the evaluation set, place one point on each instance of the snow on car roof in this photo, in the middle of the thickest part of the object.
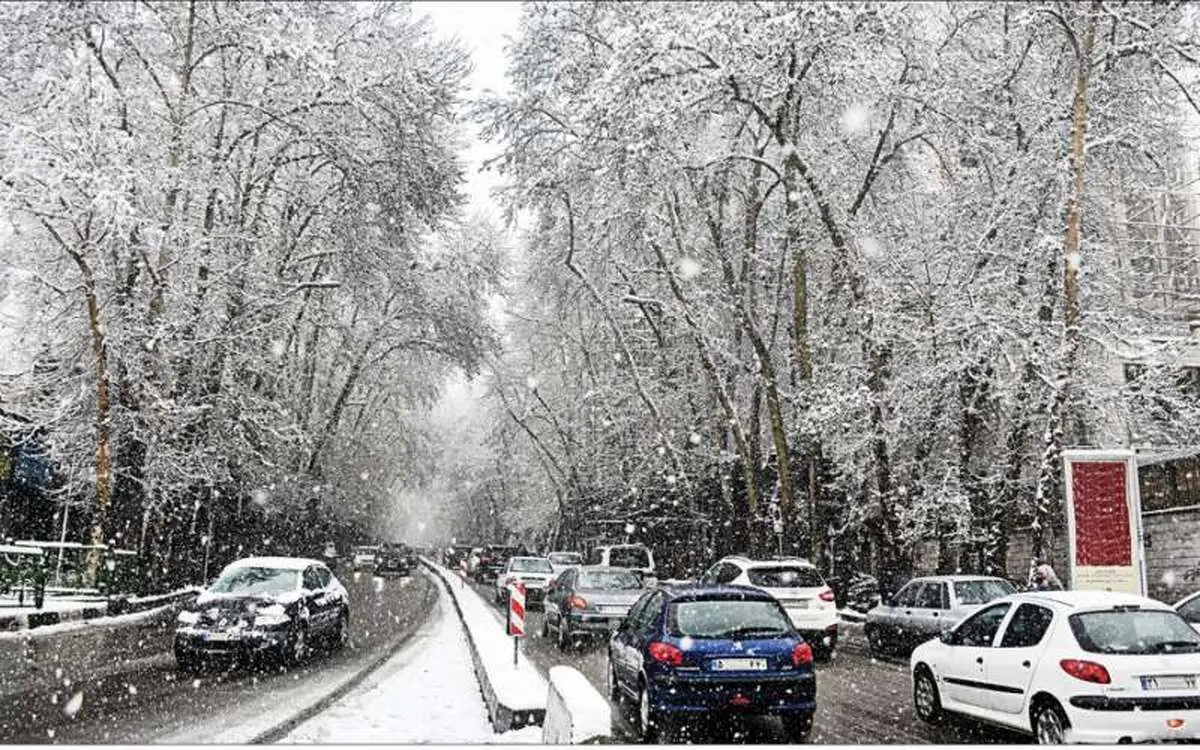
(283, 563)
(958, 578)
(1092, 599)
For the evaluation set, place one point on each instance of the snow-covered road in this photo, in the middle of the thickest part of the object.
(427, 693)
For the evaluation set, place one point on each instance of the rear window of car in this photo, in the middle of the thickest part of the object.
(567, 558)
(531, 565)
(727, 618)
(608, 579)
(785, 577)
(1132, 631)
(628, 557)
(981, 592)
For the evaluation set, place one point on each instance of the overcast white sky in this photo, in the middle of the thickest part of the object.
(484, 29)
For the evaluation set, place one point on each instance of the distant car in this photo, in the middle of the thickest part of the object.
(563, 560)
(588, 601)
(492, 560)
(1067, 666)
(330, 553)
(534, 572)
(1189, 609)
(797, 585)
(698, 650)
(393, 558)
(925, 607)
(364, 557)
(637, 557)
(277, 607)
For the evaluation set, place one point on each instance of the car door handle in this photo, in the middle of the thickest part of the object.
(1025, 664)
(979, 660)
(908, 611)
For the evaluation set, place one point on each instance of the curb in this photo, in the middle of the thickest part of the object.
(503, 718)
(282, 729)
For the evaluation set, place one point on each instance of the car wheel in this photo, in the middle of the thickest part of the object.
(545, 631)
(297, 647)
(1050, 724)
(649, 723)
(797, 728)
(874, 643)
(614, 688)
(926, 700)
(564, 635)
(188, 664)
(341, 636)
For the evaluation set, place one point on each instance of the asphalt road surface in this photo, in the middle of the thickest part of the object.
(156, 703)
(860, 700)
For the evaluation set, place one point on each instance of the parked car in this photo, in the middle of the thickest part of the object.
(364, 557)
(563, 560)
(455, 554)
(637, 557)
(858, 591)
(393, 558)
(925, 607)
(258, 607)
(688, 650)
(587, 601)
(534, 572)
(1067, 666)
(1189, 609)
(797, 585)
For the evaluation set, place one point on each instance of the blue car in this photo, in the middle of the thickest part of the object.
(687, 651)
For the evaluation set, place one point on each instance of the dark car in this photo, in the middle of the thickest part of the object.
(492, 561)
(264, 607)
(692, 651)
(394, 558)
(587, 601)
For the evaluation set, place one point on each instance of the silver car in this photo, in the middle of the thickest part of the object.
(927, 606)
(589, 600)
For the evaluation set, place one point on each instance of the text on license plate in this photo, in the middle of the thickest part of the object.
(220, 636)
(739, 665)
(1169, 682)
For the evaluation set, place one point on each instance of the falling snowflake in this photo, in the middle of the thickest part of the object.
(73, 705)
(856, 119)
(259, 497)
(196, 684)
(531, 383)
(277, 349)
(689, 268)
(694, 438)
(132, 689)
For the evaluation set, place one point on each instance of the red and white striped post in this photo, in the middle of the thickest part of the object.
(516, 615)
(462, 571)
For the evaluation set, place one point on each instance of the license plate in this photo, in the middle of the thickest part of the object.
(739, 665)
(613, 609)
(1169, 682)
(220, 637)
(799, 604)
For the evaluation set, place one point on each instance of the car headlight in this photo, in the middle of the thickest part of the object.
(271, 617)
(188, 617)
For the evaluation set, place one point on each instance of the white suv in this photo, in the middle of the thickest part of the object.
(797, 585)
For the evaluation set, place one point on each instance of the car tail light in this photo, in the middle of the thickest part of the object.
(665, 653)
(802, 654)
(577, 602)
(826, 595)
(1088, 671)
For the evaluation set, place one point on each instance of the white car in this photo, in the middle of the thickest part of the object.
(635, 557)
(797, 585)
(535, 572)
(1067, 666)
(364, 557)
(563, 561)
(1189, 609)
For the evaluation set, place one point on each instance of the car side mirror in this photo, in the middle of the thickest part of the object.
(947, 637)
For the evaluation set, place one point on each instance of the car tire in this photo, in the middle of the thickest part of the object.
(341, 634)
(874, 643)
(189, 665)
(797, 728)
(1050, 724)
(296, 648)
(545, 631)
(927, 702)
(564, 636)
(614, 688)
(650, 726)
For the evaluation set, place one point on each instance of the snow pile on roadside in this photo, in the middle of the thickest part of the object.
(575, 712)
(519, 687)
(427, 693)
(88, 624)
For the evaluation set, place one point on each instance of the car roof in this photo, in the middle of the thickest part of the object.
(686, 591)
(958, 578)
(618, 568)
(283, 563)
(774, 562)
(527, 557)
(1087, 600)
(623, 546)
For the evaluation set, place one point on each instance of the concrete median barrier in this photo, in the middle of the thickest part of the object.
(576, 713)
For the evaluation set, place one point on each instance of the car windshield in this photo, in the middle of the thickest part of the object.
(785, 577)
(629, 557)
(981, 592)
(566, 558)
(727, 618)
(1134, 631)
(256, 581)
(608, 579)
(530, 565)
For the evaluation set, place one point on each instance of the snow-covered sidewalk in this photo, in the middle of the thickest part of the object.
(427, 693)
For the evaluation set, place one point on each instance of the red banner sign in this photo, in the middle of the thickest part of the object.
(1102, 535)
